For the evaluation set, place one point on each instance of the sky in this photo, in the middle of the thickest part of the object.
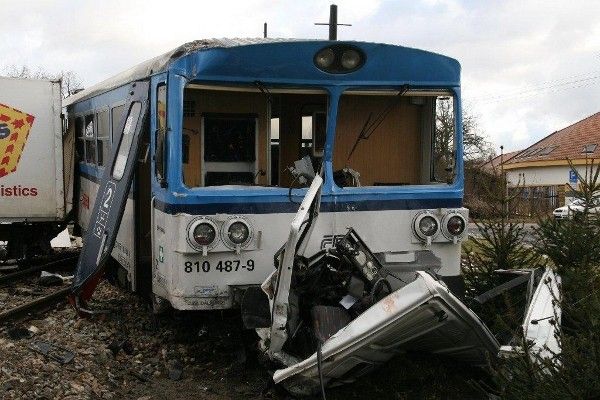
(529, 68)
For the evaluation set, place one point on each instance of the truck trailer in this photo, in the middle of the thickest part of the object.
(34, 167)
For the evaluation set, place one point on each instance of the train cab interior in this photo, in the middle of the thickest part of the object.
(256, 137)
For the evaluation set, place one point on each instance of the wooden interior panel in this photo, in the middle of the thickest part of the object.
(211, 101)
(392, 154)
(290, 108)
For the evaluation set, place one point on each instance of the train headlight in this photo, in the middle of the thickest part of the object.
(350, 59)
(202, 234)
(426, 226)
(325, 58)
(339, 59)
(238, 232)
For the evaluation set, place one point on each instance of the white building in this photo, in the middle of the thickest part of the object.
(543, 169)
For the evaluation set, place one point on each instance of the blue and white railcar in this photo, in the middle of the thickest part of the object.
(234, 133)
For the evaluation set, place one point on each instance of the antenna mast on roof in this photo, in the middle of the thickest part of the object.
(333, 24)
(265, 30)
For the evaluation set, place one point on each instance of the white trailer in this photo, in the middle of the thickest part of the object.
(33, 202)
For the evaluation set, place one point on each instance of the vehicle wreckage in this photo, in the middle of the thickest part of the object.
(331, 317)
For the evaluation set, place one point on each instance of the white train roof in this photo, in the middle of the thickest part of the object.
(160, 63)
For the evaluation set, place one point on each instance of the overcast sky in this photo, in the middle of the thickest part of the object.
(528, 67)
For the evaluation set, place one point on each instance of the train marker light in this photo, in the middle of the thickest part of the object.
(453, 226)
(456, 225)
(204, 234)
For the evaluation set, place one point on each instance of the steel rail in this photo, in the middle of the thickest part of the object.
(15, 276)
(35, 305)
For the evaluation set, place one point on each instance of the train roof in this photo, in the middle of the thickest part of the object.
(161, 63)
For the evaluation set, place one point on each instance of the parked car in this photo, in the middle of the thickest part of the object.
(577, 205)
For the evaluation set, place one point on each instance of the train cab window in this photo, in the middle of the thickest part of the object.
(90, 140)
(161, 132)
(393, 139)
(80, 145)
(234, 135)
(102, 136)
(126, 140)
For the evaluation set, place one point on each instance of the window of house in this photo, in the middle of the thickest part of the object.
(589, 148)
(547, 150)
(103, 137)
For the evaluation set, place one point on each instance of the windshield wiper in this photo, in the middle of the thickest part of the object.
(263, 89)
(370, 127)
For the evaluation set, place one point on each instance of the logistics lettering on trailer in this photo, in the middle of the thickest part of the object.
(18, 191)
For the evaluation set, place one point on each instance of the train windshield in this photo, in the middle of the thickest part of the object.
(394, 138)
(251, 136)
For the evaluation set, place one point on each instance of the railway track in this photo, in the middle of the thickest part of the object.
(44, 302)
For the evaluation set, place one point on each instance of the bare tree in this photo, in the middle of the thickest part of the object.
(476, 146)
(70, 81)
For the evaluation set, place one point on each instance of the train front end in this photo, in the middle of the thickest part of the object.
(238, 133)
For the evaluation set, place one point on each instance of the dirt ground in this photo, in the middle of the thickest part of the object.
(130, 354)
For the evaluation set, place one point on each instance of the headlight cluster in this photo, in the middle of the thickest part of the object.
(426, 226)
(339, 59)
(235, 233)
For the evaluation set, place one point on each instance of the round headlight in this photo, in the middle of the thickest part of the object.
(204, 234)
(350, 59)
(455, 225)
(325, 58)
(428, 225)
(238, 232)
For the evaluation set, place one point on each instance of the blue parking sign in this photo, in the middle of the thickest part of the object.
(572, 176)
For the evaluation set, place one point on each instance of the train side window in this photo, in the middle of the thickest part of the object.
(443, 149)
(103, 142)
(126, 140)
(90, 140)
(116, 114)
(80, 139)
(161, 133)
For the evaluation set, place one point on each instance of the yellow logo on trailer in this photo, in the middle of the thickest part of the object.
(14, 129)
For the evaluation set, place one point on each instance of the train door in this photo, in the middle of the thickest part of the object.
(112, 195)
(141, 279)
(158, 177)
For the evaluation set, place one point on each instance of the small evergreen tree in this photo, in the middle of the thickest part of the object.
(573, 248)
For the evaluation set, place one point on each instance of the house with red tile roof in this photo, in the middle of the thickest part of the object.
(543, 168)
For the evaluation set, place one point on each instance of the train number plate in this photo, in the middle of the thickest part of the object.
(219, 266)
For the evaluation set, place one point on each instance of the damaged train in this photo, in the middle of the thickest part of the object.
(191, 166)
(317, 185)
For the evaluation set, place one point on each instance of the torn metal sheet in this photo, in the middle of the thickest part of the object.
(542, 321)
(112, 195)
(300, 227)
(422, 316)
